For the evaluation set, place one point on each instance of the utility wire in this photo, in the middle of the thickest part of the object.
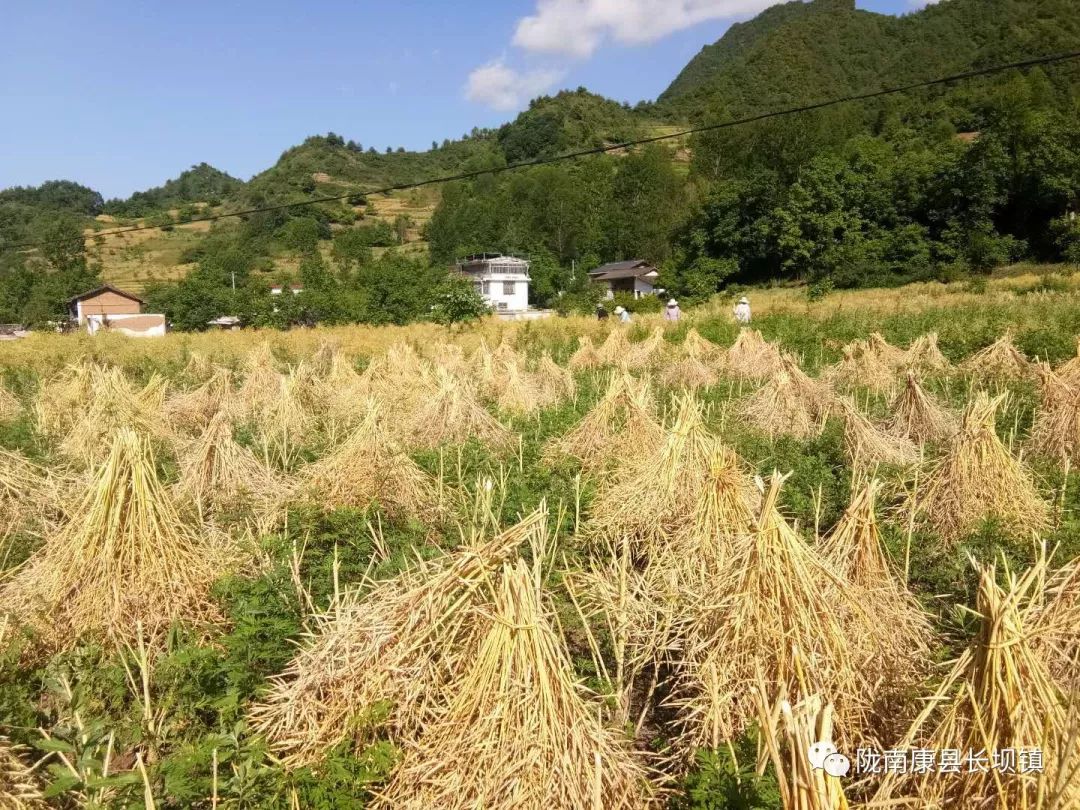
(542, 161)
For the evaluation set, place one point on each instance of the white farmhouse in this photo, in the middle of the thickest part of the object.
(503, 281)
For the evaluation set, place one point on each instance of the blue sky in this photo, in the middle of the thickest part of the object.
(122, 95)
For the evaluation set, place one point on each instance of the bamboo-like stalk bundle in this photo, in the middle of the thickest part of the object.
(585, 356)
(27, 495)
(1000, 361)
(124, 559)
(622, 424)
(782, 615)
(751, 357)
(370, 466)
(190, 411)
(787, 746)
(62, 398)
(1055, 431)
(998, 696)
(924, 356)
(978, 478)
(917, 416)
(19, 789)
(519, 730)
(283, 422)
(218, 474)
(867, 446)
(1058, 625)
(653, 495)
(377, 660)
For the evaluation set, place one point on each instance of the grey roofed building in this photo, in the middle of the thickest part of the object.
(635, 276)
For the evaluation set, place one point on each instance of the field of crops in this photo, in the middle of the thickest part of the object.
(561, 564)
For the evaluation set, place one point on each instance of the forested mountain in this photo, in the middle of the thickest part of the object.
(934, 183)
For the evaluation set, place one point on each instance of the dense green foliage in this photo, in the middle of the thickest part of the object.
(202, 183)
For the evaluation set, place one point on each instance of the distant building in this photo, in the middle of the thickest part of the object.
(112, 309)
(278, 289)
(503, 281)
(229, 322)
(635, 276)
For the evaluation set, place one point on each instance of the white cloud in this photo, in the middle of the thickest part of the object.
(578, 27)
(504, 88)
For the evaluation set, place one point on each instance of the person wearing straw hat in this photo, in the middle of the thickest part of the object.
(672, 311)
(601, 313)
(623, 315)
(742, 311)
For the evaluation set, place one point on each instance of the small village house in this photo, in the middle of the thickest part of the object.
(278, 289)
(108, 307)
(634, 276)
(503, 281)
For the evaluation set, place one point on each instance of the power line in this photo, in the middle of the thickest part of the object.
(542, 161)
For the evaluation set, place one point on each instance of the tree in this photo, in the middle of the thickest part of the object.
(457, 301)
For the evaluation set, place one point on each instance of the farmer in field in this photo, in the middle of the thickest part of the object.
(623, 315)
(672, 311)
(601, 313)
(742, 311)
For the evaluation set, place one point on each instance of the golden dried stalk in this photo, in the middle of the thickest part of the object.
(62, 398)
(862, 367)
(783, 408)
(448, 412)
(10, 407)
(978, 478)
(644, 353)
(998, 696)
(918, 417)
(1058, 625)
(924, 356)
(19, 788)
(1000, 361)
(1069, 371)
(379, 657)
(689, 372)
(885, 352)
(556, 382)
(124, 559)
(698, 348)
(751, 357)
(586, 355)
(622, 424)
(1055, 431)
(867, 446)
(615, 348)
(191, 411)
(519, 730)
(369, 467)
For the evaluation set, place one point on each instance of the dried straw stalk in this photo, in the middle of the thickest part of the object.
(751, 357)
(519, 730)
(1055, 431)
(862, 367)
(378, 659)
(867, 446)
(447, 411)
(1000, 361)
(1058, 625)
(885, 352)
(61, 398)
(644, 353)
(125, 559)
(19, 788)
(585, 356)
(781, 614)
(556, 382)
(998, 695)
(1069, 371)
(10, 407)
(786, 735)
(621, 425)
(918, 417)
(925, 357)
(690, 372)
(698, 348)
(789, 404)
(190, 411)
(978, 478)
(615, 348)
(31, 498)
(370, 466)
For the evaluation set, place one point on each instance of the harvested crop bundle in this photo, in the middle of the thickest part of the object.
(1057, 625)
(586, 355)
(615, 348)
(998, 697)
(1000, 361)
(198, 368)
(892, 356)
(379, 657)
(111, 405)
(10, 407)
(124, 559)
(519, 392)
(1069, 371)
(261, 382)
(218, 474)
(653, 494)
(751, 357)
(867, 446)
(449, 412)
(856, 552)
(61, 399)
(784, 407)
(782, 615)
(621, 424)
(519, 730)
(371, 466)
(19, 788)
(978, 478)
(698, 348)
(29, 497)
(282, 422)
(916, 416)
(787, 734)
(644, 353)
(450, 357)
(862, 367)
(1055, 431)
(190, 411)
(555, 382)
(689, 372)
(924, 356)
